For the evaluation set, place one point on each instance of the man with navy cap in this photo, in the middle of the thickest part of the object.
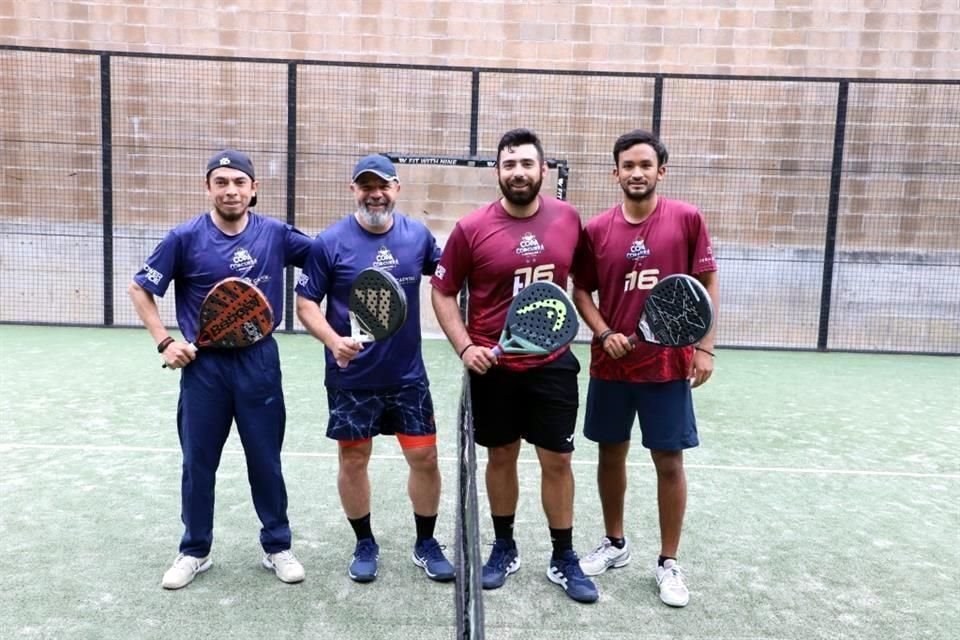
(218, 386)
(383, 389)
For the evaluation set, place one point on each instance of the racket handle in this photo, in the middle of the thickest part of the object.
(497, 350)
(192, 346)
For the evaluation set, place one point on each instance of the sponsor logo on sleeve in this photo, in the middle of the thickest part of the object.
(152, 274)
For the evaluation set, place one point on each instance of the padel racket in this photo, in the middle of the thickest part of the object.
(377, 306)
(541, 320)
(234, 314)
(677, 313)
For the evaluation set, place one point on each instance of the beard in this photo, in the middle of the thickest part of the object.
(231, 216)
(517, 196)
(376, 219)
(638, 196)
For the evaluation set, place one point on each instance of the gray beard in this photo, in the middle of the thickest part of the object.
(376, 220)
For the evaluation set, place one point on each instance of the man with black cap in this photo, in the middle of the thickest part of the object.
(383, 389)
(220, 386)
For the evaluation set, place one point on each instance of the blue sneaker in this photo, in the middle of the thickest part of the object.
(428, 555)
(503, 561)
(365, 556)
(567, 573)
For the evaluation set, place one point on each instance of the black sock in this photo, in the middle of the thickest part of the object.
(425, 526)
(562, 540)
(503, 527)
(664, 559)
(361, 527)
(617, 542)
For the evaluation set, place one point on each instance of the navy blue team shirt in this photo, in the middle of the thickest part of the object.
(198, 255)
(408, 251)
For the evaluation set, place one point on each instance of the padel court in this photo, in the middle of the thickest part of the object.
(823, 504)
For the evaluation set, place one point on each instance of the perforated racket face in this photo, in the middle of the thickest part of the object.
(541, 319)
(378, 303)
(234, 314)
(677, 312)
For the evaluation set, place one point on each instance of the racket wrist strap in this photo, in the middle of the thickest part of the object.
(166, 342)
(464, 350)
(709, 353)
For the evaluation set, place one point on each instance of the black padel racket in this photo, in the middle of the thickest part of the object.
(377, 306)
(234, 314)
(677, 313)
(541, 320)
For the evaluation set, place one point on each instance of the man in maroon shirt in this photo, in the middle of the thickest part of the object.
(626, 250)
(497, 250)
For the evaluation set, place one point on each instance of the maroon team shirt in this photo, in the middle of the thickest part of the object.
(623, 261)
(498, 255)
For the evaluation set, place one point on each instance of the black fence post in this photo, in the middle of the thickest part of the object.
(106, 172)
(657, 104)
(833, 207)
(291, 182)
(474, 111)
(563, 177)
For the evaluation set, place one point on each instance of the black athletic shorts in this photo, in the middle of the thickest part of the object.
(539, 405)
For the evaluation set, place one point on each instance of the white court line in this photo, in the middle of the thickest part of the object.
(8, 446)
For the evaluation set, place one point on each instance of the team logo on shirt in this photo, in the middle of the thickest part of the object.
(242, 260)
(529, 246)
(637, 250)
(385, 259)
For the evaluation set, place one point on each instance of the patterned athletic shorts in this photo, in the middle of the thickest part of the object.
(362, 414)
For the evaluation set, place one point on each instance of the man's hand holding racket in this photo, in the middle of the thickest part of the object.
(177, 355)
(234, 314)
(478, 359)
(345, 349)
(541, 320)
(678, 312)
(377, 307)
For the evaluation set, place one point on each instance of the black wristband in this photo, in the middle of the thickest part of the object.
(709, 353)
(603, 336)
(464, 350)
(166, 342)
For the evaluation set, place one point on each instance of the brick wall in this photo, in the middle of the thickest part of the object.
(865, 38)
(754, 155)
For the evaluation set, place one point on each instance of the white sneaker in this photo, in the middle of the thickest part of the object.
(184, 570)
(673, 590)
(604, 557)
(285, 565)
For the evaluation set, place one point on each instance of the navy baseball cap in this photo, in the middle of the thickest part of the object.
(234, 160)
(376, 164)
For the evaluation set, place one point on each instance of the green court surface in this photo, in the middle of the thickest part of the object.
(824, 503)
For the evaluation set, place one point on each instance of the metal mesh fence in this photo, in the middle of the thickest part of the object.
(834, 204)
